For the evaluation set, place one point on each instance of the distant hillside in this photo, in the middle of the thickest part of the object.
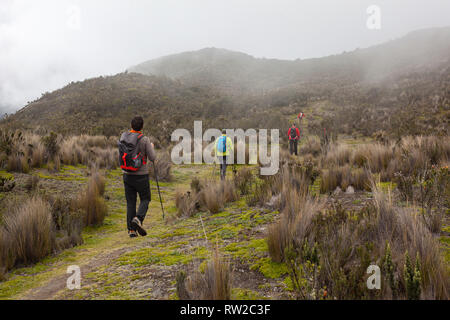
(401, 87)
(105, 105)
(238, 72)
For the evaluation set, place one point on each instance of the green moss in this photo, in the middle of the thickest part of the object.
(226, 232)
(247, 250)
(246, 294)
(385, 186)
(445, 240)
(269, 268)
(148, 256)
(6, 175)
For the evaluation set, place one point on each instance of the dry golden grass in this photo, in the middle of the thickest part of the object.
(214, 284)
(163, 165)
(186, 203)
(213, 197)
(30, 231)
(91, 201)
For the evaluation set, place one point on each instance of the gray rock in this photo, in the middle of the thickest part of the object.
(350, 190)
(337, 191)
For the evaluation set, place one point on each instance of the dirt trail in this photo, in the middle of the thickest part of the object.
(114, 266)
(59, 283)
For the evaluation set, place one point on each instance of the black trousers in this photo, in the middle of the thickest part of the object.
(134, 185)
(293, 146)
(223, 167)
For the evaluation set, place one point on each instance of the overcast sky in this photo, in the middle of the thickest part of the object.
(45, 44)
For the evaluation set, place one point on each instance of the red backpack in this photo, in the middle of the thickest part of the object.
(129, 159)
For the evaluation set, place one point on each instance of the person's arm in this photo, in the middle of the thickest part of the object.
(298, 134)
(215, 146)
(150, 150)
(289, 133)
(230, 144)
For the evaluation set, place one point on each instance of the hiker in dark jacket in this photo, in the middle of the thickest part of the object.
(136, 176)
(294, 136)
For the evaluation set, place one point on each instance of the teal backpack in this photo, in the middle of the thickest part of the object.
(222, 144)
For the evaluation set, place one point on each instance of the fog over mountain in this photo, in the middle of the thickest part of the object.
(46, 44)
(422, 50)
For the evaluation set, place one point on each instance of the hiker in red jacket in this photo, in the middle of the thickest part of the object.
(294, 136)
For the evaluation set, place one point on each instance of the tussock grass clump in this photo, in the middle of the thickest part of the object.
(215, 283)
(278, 236)
(196, 185)
(208, 195)
(163, 165)
(29, 231)
(186, 203)
(260, 194)
(337, 154)
(230, 193)
(375, 156)
(332, 249)
(91, 201)
(213, 197)
(344, 177)
(311, 146)
(243, 180)
(7, 258)
(37, 228)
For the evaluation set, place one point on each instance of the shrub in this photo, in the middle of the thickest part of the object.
(68, 222)
(332, 249)
(261, 193)
(243, 180)
(51, 144)
(434, 189)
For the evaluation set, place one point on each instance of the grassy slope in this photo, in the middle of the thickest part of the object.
(116, 267)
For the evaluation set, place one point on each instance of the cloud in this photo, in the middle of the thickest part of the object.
(46, 44)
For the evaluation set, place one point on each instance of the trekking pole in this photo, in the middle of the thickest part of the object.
(157, 185)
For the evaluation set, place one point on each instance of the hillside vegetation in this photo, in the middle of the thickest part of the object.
(397, 88)
(370, 185)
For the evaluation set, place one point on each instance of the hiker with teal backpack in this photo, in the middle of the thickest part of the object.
(224, 147)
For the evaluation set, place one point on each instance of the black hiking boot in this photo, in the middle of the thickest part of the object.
(132, 233)
(137, 224)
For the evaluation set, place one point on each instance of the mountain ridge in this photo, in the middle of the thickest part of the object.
(410, 75)
(427, 48)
